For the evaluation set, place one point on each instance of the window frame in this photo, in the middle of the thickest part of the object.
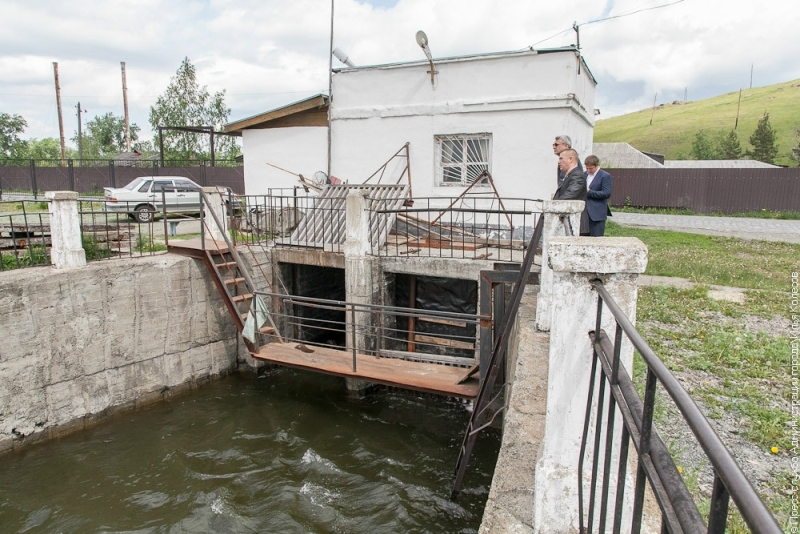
(440, 165)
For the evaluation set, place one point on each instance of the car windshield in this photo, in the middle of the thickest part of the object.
(134, 184)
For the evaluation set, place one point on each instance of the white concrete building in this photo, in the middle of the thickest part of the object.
(498, 112)
(292, 137)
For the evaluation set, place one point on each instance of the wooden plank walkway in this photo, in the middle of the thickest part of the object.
(194, 247)
(419, 376)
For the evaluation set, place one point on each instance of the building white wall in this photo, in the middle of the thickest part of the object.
(302, 150)
(523, 100)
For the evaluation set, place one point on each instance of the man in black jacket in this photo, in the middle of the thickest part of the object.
(574, 185)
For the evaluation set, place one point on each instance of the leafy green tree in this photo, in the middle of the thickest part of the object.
(104, 136)
(764, 141)
(185, 103)
(48, 148)
(703, 146)
(729, 147)
(11, 127)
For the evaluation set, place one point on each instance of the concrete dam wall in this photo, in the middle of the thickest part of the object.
(78, 345)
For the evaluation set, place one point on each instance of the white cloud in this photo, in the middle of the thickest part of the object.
(268, 53)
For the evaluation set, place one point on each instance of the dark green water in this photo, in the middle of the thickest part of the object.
(287, 452)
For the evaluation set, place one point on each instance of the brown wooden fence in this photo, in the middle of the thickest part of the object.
(708, 190)
(94, 179)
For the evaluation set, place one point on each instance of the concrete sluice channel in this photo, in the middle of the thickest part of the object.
(286, 452)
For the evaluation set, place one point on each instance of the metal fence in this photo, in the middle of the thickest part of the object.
(655, 465)
(35, 176)
(376, 331)
(708, 190)
(465, 227)
(24, 234)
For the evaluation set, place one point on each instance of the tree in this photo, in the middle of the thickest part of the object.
(729, 147)
(184, 103)
(11, 127)
(703, 147)
(104, 136)
(764, 141)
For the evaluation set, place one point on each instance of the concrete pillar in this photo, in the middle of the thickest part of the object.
(66, 250)
(575, 262)
(217, 205)
(362, 276)
(561, 218)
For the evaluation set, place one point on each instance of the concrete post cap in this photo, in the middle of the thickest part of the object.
(606, 255)
(562, 206)
(61, 195)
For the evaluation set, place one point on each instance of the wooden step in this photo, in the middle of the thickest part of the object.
(228, 264)
(242, 298)
(234, 281)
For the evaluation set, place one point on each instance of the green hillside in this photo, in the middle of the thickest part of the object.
(675, 125)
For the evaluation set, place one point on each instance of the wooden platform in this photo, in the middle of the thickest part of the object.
(427, 377)
(191, 247)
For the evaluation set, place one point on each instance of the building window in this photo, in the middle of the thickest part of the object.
(462, 159)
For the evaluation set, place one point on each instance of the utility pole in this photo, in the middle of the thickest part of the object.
(60, 118)
(125, 106)
(736, 124)
(80, 135)
(330, 90)
(653, 110)
(685, 91)
(751, 75)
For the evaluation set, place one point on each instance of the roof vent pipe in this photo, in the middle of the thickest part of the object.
(341, 56)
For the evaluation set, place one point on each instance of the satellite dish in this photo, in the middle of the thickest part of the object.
(320, 177)
(422, 39)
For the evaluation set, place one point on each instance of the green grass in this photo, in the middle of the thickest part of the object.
(144, 244)
(674, 126)
(734, 372)
(29, 257)
(715, 260)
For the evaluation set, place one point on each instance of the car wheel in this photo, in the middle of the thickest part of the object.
(132, 216)
(145, 213)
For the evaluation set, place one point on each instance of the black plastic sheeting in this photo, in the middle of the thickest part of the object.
(436, 294)
(317, 325)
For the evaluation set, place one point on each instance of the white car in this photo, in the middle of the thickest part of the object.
(145, 197)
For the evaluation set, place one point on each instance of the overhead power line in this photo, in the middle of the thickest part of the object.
(575, 26)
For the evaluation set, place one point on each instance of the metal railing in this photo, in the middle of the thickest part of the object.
(679, 511)
(274, 217)
(24, 234)
(377, 331)
(463, 227)
(109, 234)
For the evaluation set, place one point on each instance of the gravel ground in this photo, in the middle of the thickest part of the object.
(763, 468)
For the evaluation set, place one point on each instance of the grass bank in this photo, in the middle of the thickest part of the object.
(733, 358)
(716, 260)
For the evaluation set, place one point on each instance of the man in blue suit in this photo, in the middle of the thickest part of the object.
(598, 183)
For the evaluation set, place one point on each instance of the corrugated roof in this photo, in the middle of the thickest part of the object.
(622, 156)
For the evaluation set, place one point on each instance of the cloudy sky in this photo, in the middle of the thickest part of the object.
(267, 53)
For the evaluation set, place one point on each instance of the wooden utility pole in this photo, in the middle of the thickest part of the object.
(653, 110)
(736, 124)
(685, 91)
(60, 118)
(125, 107)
